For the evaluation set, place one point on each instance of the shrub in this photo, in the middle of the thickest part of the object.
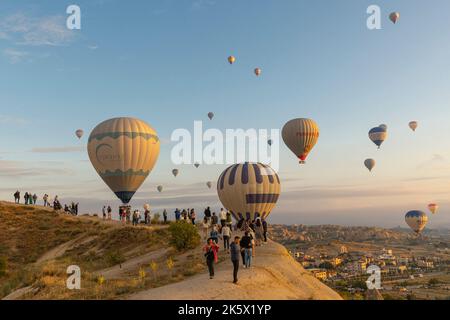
(183, 236)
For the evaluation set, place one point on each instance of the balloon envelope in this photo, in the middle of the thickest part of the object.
(300, 136)
(209, 184)
(196, 165)
(413, 125)
(175, 172)
(123, 151)
(416, 220)
(210, 115)
(249, 190)
(383, 126)
(394, 16)
(269, 142)
(258, 72)
(160, 188)
(433, 207)
(231, 59)
(369, 163)
(378, 135)
(79, 133)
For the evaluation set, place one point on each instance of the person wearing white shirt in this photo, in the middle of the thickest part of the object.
(223, 217)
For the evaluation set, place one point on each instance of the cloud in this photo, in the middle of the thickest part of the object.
(437, 161)
(15, 56)
(58, 149)
(6, 119)
(16, 169)
(198, 4)
(93, 47)
(32, 31)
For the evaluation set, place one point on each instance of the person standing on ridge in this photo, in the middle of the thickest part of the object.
(109, 212)
(226, 236)
(235, 250)
(165, 216)
(211, 250)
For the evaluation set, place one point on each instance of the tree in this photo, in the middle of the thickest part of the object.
(184, 236)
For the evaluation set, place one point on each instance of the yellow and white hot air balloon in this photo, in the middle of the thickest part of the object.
(258, 71)
(123, 151)
(433, 207)
(249, 190)
(231, 59)
(416, 220)
(300, 135)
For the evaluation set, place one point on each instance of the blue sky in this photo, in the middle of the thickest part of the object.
(165, 62)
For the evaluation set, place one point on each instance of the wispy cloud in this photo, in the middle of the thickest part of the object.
(198, 4)
(15, 56)
(23, 29)
(58, 149)
(17, 169)
(437, 161)
(12, 120)
(93, 47)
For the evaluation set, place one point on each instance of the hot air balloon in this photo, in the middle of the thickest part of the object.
(269, 142)
(196, 164)
(231, 59)
(159, 188)
(413, 125)
(394, 16)
(209, 184)
(383, 126)
(433, 207)
(249, 190)
(370, 164)
(416, 220)
(300, 136)
(175, 172)
(210, 115)
(378, 135)
(79, 133)
(258, 71)
(123, 151)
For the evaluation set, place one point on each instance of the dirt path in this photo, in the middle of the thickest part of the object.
(274, 276)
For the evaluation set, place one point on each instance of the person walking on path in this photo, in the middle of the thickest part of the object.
(264, 225)
(214, 235)
(208, 213)
(226, 236)
(104, 212)
(229, 219)
(45, 198)
(211, 250)
(214, 219)
(109, 212)
(246, 248)
(205, 225)
(235, 252)
(223, 217)
(34, 198)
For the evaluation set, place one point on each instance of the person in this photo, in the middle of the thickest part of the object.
(264, 225)
(66, 208)
(193, 216)
(184, 215)
(165, 216)
(146, 213)
(104, 212)
(235, 249)
(109, 212)
(214, 219)
(25, 197)
(229, 219)
(223, 217)
(45, 198)
(208, 213)
(34, 198)
(226, 235)
(214, 234)
(205, 226)
(17, 196)
(76, 208)
(177, 214)
(240, 224)
(211, 250)
(128, 215)
(246, 249)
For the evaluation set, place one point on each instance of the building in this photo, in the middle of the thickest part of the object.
(320, 274)
(343, 250)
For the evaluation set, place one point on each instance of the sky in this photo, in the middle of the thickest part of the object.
(165, 61)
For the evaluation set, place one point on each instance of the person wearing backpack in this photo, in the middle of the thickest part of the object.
(211, 249)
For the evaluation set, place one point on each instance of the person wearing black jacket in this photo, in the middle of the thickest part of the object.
(246, 245)
(234, 250)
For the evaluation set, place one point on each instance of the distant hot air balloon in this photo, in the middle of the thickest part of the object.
(209, 184)
(79, 133)
(370, 164)
(210, 115)
(413, 125)
(433, 207)
(378, 135)
(231, 59)
(383, 126)
(394, 16)
(159, 188)
(175, 172)
(269, 142)
(258, 71)
(249, 190)
(123, 151)
(416, 220)
(300, 136)
(196, 164)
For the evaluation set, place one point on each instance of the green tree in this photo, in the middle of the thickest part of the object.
(183, 236)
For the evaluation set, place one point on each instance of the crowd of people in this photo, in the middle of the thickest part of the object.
(31, 199)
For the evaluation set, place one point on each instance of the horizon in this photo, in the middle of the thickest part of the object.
(166, 63)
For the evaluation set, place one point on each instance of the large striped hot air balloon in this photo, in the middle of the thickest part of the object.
(378, 135)
(123, 151)
(433, 207)
(249, 190)
(300, 136)
(416, 220)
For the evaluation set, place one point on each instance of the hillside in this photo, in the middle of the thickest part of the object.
(118, 261)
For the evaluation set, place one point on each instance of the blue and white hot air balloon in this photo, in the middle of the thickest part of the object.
(416, 220)
(378, 135)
